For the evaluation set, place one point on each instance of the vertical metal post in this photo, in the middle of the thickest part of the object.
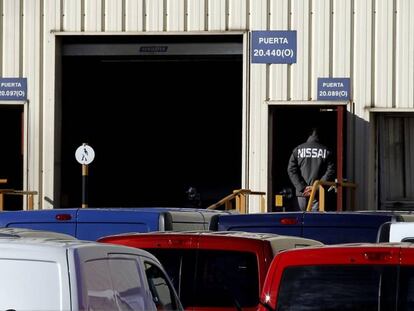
(30, 201)
(84, 185)
(2, 181)
(321, 198)
(339, 149)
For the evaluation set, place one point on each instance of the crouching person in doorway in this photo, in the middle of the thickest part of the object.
(308, 162)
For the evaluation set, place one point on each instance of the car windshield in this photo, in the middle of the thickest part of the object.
(345, 288)
(212, 278)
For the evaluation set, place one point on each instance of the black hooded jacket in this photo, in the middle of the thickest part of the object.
(310, 161)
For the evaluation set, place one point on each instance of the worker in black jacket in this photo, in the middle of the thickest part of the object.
(310, 161)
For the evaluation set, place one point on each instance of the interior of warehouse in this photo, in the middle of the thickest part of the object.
(162, 114)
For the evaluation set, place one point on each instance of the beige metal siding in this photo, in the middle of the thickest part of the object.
(372, 42)
(114, 15)
(93, 21)
(196, 16)
(175, 15)
(134, 15)
(320, 53)
(279, 19)
(11, 39)
(404, 79)
(383, 53)
(237, 15)
(72, 15)
(257, 156)
(341, 38)
(154, 15)
(360, 151)
(299, 78)
(32, 53)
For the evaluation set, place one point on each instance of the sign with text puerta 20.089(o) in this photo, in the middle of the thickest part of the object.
(333, 89)
(273, 47)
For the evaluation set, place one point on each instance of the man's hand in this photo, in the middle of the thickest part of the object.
(307, 191)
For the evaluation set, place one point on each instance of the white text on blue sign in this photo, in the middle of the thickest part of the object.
(333, 88)
(273, 47)
(13, 88)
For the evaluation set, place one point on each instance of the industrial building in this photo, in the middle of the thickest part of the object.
(208, 94)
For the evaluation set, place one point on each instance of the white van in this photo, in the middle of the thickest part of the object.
(26, 232)
(60, 274)
(396, 232)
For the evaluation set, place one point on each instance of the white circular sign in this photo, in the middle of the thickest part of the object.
(85, 154)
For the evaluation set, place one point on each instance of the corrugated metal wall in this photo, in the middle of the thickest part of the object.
(372, 42)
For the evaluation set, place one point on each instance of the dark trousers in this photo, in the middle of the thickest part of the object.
(303, 204)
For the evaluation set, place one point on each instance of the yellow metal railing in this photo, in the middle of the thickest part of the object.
(318, 186)
(29, 195)
(238, 201)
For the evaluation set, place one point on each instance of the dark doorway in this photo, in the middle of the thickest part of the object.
(289, 126)
(11, 155)
(395, 132)
(158, 124)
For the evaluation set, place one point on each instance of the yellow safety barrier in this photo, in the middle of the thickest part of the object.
(240, 198)
(318, 186)
(29, 194)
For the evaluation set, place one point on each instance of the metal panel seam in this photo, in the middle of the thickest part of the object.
(41, 107)
(21, 39)
(1, 37)
(394, 48)
(103, 16)
(373, 20)
(310, 23)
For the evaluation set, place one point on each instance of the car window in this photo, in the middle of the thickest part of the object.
(30, 285)
(180, 266)
(127, 283)
(114, 284)
(162, 293)
(210, 278)
(339, 288)
(98, 286)
(228, 276)
(406, 289)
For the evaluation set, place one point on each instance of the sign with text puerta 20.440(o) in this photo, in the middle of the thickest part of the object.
(273, 47)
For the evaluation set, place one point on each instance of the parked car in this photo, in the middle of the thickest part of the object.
(327, 227)
(214, 270)
(25, 232)
(396, 232)
(93, 223)
(53, 274)
(366, 276)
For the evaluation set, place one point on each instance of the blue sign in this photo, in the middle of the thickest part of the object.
(273, 47)
(333, 88)
(13, 89)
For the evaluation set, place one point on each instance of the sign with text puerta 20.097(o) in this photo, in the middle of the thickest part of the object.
(273, 47)
(13, 89)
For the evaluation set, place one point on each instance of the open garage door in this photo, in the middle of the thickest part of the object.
(163, 114)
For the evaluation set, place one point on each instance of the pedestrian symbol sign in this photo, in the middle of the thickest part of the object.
(85, 154)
